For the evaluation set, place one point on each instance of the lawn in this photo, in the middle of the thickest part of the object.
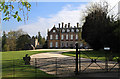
(91, 54)
(13, 65)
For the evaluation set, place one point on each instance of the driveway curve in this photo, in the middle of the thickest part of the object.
(48, 55)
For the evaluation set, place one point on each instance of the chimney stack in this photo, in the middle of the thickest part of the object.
(65, 25)
(68, 25)
(62, 24)
(77, 25)
(59, 25)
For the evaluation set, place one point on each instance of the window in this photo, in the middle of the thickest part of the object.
(50, 44)
(53, 30)
(76, 36)
(62, 37)
(56, 36)
(63, 30)
(77, 30)
(62, 45)
(71, 37)
(56, 44)
(67, 45)
(68, 30)
(72, 30)
(67, 37)
(51, 37)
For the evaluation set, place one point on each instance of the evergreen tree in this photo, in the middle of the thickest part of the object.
(3, 41)
(97, 29)
(24, 42)
(39, 38)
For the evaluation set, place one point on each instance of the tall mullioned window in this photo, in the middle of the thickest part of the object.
(76, 36)
(51, 37)
(56, 37)
(72, 37)
(50, 44)
(67, 37)
(56, 44)
(62, 37)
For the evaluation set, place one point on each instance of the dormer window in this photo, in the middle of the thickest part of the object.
(72, 30)
(68, 30)
(77, 30)
(53, 30)
(63, 30)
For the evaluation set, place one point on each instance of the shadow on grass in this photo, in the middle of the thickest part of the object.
(16, 68)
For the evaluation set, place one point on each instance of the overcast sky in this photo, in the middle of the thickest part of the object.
(44, 15)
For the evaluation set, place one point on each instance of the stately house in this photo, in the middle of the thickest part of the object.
(64, 36)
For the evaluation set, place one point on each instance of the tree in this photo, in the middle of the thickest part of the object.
(3, 41)
(11, 41)
(97, 27)
(24, 42)
(39, 38)
(43, 41)
(45, 44)
(0, 44)
(115, 41)
(9, 11)
(11, 37)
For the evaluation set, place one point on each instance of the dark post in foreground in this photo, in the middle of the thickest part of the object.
(76, 69)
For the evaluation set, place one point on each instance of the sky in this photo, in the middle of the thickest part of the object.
(44, 15)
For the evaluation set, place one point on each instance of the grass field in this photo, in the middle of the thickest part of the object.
(13, 65)
(90, 54)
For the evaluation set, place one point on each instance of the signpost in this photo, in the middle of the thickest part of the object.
(106, 56)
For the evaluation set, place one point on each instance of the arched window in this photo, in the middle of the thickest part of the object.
(53, 30)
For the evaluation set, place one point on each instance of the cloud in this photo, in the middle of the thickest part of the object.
(68, 14)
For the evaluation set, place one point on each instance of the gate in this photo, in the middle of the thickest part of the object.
(63, 66)
(88, 62)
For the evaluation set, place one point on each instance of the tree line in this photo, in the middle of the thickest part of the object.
(20, 40)
(100, 29)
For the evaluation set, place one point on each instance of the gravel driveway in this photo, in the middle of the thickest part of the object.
(61, 65)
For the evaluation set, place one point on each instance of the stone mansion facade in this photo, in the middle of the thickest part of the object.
(64, 36)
